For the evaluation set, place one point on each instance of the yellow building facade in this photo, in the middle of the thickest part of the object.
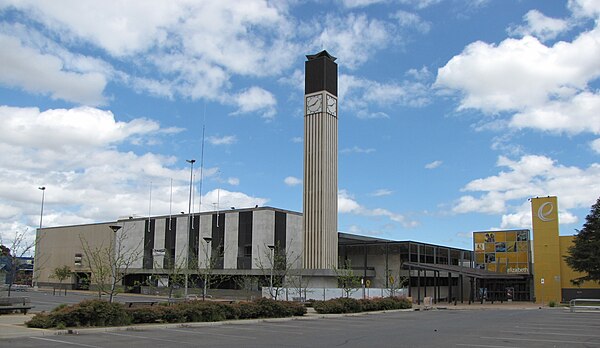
(552, 275)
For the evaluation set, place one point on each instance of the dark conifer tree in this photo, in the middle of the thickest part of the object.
(584, 254)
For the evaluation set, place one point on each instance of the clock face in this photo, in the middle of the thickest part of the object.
(314, 104)
(332, 105)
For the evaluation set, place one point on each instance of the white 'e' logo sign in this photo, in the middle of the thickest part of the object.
(544, 211)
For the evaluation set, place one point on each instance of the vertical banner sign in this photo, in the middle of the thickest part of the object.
(546, 248)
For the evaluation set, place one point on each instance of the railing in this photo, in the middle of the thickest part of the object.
(585, 304)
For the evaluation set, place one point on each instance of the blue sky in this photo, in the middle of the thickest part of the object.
(452, 113)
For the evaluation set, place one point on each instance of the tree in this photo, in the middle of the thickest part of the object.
(277, 265)
(396, 281)
(175, 272)
(13, 254)
(61, 274)
(110, 263)
(584, 255)
(347, 280)
(212, 258)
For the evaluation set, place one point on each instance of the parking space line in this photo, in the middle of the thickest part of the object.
(536, 340)
(254, 328)
(150, 338)
(207, 332)
(64, 342)
(562, 325)
(481, 345)
(549, 333)
(552, 328)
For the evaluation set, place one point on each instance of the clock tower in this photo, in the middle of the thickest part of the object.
(320, 162)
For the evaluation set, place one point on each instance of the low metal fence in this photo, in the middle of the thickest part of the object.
(584, 304)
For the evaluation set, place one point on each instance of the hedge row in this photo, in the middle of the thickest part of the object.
(350, 305)
(102, 313)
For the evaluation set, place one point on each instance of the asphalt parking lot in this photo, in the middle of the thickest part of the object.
(436, 328)
(47, 299)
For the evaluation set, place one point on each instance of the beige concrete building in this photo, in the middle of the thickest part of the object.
(238, 242)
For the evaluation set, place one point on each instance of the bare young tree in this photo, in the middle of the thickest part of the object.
(109, 263)
(213, 258)
(396, 281)
(277, 264)
(347, 280)
(13, 252)
(299, 280)
(247, 283)
(174, 270)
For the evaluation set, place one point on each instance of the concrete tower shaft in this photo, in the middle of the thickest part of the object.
(320, 162)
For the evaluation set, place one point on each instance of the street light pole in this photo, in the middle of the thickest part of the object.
(191, 162)
(272, 247)
(114, 228)
(43, 188)
(206, 267)
(33, 275)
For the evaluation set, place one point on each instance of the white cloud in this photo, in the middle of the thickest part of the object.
(354, 39)
(233, 181)
(412, 20)
(528, 177)
(292, 181)
(121, 29)
(224, 140)
(595, 145)
(421, 4)
(348, 205)
(226, 199)
(65, 129)
(74, 154)
(256, 99)
(382, 192)
(191, 48)
(574, 115)
(46, 74)
(585, 8)
(538, 25)
(297, 140)
(433, 165)
(357, 149)
(540, 87)
(360, 3)
(361, 95)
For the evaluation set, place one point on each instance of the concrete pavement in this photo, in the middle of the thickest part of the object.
(13, 325)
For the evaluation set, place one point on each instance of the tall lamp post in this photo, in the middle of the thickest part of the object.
(114, 228)
(43, 188)
(272, 248)
(206, 267)
(33, 275)
(191, 162)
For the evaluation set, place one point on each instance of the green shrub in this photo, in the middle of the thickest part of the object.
(552, 304)
(231, 311)
(248, 310)
(268, 308)
(328, 307)
(202, 311)
(297, 309)
(144, 315)
(173, 314)
(86, 313)
(349, 305)
(59, 307)
(40, 321)
(102, 313)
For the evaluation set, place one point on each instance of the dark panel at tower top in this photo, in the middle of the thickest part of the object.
(320, 73)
